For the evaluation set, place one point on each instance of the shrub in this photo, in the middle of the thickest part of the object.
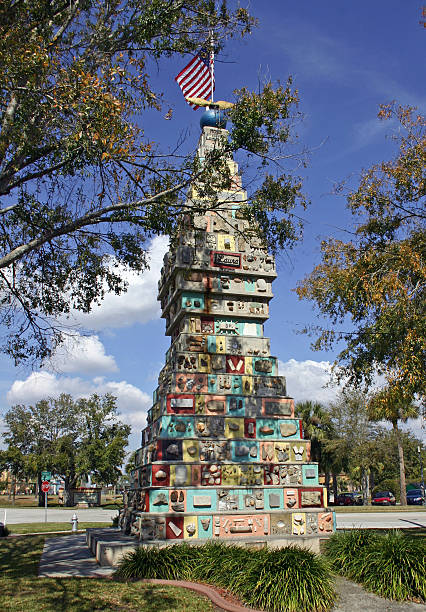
(391, 565)
(342, 547)
(290, 578)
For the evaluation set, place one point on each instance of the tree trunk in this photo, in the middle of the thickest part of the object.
(402, 487)
(70, 483)
(13, 489)
(365, 486)
(334, 476)
(40, 492)
(327, 483)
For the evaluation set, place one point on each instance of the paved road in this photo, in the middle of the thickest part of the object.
(95, 515)
(55, 515)
(389, 520)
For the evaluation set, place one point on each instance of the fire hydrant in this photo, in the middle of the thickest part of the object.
(74, 523)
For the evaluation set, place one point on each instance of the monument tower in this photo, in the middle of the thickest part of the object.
(222, 456)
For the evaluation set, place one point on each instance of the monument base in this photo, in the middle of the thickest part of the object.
(109, 546)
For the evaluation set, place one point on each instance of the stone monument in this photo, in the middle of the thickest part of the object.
(222, 456)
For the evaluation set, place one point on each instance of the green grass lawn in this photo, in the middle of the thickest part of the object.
(30, 501)
(378, 508)
(22, 591)
(42, 527)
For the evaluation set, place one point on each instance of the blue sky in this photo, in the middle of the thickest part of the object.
(346, 58)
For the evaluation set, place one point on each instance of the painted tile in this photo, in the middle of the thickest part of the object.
(291, 498)
(234, 364)
(195, 475)
(267, 429)
(174, 528)
(245, 450)
(201, 500)
(229, 500)
(235, 405)
(250, 428)
(289, 429)
(159, 500)
(225, 242)
(171, 450)
(234, 428)
(205, 526)
(179, 403)
(237, 385)
(160, 475)
(200, 404)
(212, 383)
(311, 497)
(241, 526)
(281, 523)
(310, 474)
(264, 366)
(298, 451)
(177, 501)
(284, 407)
(248, 365)
(180, 475)
(298, 523)
(215, 405)
(247, 384)
(325, 522)
(282, 452)
(230, 475)
(191, 451)
(177, 427)
(274, 499)
(204, 363)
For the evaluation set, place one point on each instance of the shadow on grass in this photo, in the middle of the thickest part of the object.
(22, 590)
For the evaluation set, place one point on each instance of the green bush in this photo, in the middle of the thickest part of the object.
(291, 578)
(391, 565)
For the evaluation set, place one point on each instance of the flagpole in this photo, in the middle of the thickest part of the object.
(212, 63)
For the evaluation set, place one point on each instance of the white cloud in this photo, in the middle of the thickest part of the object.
(82, 354)
(306, 380)
(139, 303)
(132, 402)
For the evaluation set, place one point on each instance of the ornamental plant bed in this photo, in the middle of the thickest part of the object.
(290, 578)
(391, 565)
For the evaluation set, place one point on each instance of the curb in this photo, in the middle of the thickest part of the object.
(202, 589)
(37, 533)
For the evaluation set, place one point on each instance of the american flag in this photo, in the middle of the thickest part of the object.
(195, 80)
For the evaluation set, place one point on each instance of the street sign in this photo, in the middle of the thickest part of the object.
(46, 475)
(45, 486)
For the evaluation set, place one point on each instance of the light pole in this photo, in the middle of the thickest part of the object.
(422, 482)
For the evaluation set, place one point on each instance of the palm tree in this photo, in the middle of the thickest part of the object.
(318, 428)
(390, 405)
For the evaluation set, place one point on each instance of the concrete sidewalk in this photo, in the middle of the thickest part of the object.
(69, 556)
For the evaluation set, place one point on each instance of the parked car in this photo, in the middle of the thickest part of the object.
(383, 498)
(416, 497)
(349, 499)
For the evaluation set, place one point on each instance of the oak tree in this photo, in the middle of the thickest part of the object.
(70, 438)
(377, 280)
(82, 185)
